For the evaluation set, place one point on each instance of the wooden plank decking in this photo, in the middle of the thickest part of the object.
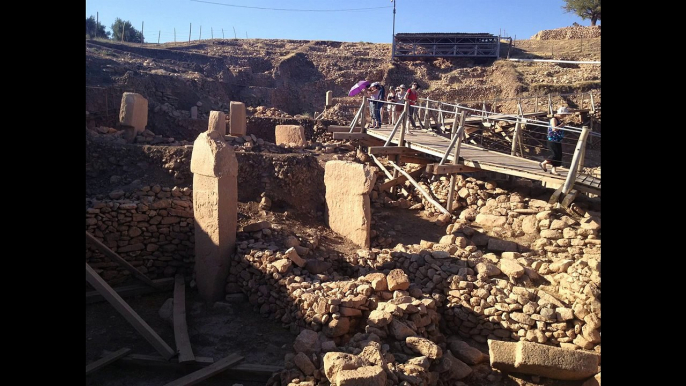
(474, 156)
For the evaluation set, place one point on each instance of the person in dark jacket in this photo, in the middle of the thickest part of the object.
(554, 144)
(378, 96)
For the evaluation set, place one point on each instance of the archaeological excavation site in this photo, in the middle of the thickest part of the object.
(247, 225)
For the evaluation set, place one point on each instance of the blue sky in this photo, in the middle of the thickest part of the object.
(343, 20)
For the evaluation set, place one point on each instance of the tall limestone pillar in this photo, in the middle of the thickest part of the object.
(348, 206)
(215, 207)
(237, 122)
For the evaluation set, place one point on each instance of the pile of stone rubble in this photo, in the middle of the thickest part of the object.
(380, 316)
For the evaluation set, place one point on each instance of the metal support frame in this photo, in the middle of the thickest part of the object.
(446, 45)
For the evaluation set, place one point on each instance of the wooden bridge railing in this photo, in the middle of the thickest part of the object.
(444, 111)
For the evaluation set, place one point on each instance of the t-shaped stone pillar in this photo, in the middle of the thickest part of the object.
(215, 199)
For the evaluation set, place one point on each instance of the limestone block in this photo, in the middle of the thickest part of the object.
(502, 355)
(217, 123)
(237, 122)
(491, 220)
(293, 135)
(337, 361)
(362, 376)
(307, 342)
(134, 111)
(499, 245)
(424, 347)
(212, 157)
(397, 279)
(554, 362)
(348, 207)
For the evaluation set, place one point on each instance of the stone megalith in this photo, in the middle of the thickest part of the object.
(133, 111)
(329, 98)
(215, 200)
(348, 207)
(237, 123)
(290, 135)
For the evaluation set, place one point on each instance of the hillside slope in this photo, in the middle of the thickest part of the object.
(293, 76)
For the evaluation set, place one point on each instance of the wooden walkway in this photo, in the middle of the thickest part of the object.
(436, 145)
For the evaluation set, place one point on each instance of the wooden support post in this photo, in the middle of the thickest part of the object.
(515, 138)
(420, 189)
(240, 371)
(456, 158)
(569, 198)
(381, 166)
(386, 150)
(107, 359)
(359, 113)
(440, 122)
(426, 115)
(459, 134)
(451, 192)
(163, 284)
(200, 375)
(350, 136)
(128, 313)
(118, 259)
(363, 112)
(450, 169)
(406, 113)
(183, 342)
(574, 167)
(397, 181)
(397, 125)
(450, 147)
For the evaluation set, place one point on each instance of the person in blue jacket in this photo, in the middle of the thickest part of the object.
(554, 144)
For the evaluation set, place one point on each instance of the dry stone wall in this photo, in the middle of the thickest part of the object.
(152, 229)
(574, 32)
(152, 226)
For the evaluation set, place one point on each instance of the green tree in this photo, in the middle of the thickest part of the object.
(130, 34)
(585, 9)
(95, 29)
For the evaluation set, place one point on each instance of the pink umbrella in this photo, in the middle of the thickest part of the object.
(356, 89)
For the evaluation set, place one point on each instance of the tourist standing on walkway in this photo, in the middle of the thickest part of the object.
(400, 98)
(411, 95)
(390, 108)
(377, 98)
(555, 136)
